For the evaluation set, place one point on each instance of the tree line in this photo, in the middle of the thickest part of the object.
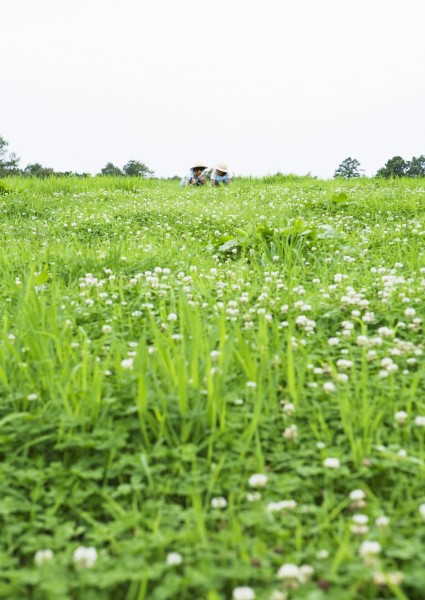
(348, 168)
(394, 167)
(9, 165)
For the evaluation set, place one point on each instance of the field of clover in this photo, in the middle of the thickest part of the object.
(212, 394)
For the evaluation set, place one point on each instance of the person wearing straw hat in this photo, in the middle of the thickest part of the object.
(194, 177)
(220, 175)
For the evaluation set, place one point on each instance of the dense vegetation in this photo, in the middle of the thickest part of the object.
(212, 394)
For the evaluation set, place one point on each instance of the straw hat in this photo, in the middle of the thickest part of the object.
(221, 167)
(199, 165)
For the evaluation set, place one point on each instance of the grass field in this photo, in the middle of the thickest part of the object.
(212, 394)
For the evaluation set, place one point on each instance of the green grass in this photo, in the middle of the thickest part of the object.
(161, 345)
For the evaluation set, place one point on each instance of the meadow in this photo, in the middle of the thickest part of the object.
(212, 394)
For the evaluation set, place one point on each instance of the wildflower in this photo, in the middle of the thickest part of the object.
(106, 329)
(342, 377)
(281, 506)
(291, 575)
(174, 559)
(42, 556)
(328, 387)
(422, 510)
(333, 341)
(357, 495)
(400, 417)
(288, 408)
(251, 384)
(291, 433)
(172, 317)
(369, 549)
(344, 364)
(32, 397)
(384, 579)
(219, 502)
(359, 525)
(215, 355)
(127, 363)
(85, 557)
(253, 496)
(306, 572)
(382, 521)
(409, 312)
(331, 463)
(243, 593)
(258, 480)
(360, 519)
(420, 421)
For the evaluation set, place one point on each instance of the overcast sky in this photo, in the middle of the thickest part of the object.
(294, 86)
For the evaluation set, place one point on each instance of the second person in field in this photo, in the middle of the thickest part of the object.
(220, 175)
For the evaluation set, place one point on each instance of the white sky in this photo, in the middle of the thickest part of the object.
(265, 85)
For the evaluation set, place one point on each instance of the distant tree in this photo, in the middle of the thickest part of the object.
(136, 169)
(394, 167)
(8, 162)
(37, 170)
(416, 167)
(111, 169)
(350, 167)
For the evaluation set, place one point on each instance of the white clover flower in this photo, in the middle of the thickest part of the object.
(420, 421)
(253, 496)
(258, 480)
(172, 317)
(306, 572)
(106, 329)
(215, 355)
(290, 571)
(342, 377)
(85, 557)
(174, 559)
(409, 312)
(360, 519)
(331, 463)
(333, 341)
(243, 593)
(359, 529)
(251, 384)
(127, 364)
(422, 510)
(344, 364)
(281, 506)
(356, 495)
(369, 549)
(42, 556)
(219, 502)
(32, 397)
(401, 417)
(382, 521)
(291, 433)
(385, 579)
(329, 387)
(288, 408)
